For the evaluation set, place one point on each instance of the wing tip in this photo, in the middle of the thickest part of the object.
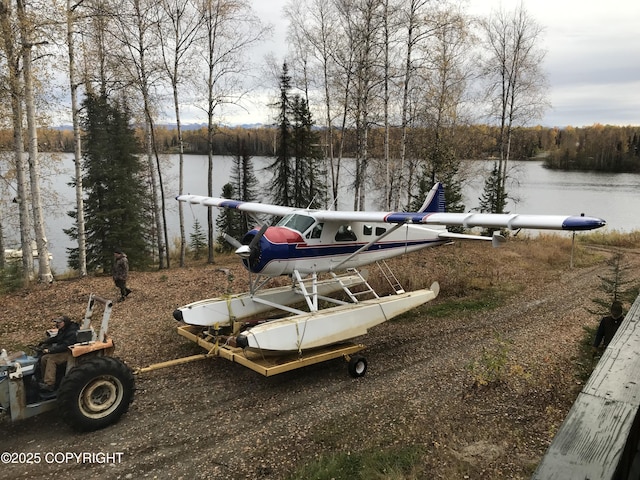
(580, 223)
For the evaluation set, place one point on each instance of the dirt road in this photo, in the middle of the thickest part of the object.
(217, 420)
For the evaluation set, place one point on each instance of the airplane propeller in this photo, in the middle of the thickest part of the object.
(234, 243)
(250, 251)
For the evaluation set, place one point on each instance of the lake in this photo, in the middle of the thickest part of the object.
(614, 197)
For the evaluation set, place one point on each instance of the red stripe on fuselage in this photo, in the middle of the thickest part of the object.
(283, 235)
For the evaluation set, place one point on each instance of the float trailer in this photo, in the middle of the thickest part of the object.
(267, 365)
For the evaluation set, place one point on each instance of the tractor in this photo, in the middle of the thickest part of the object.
(93, 389)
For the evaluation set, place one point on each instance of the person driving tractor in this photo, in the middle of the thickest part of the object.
(56, 351)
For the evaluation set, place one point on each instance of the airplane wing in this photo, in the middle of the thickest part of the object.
(431, 213)
(252, 207)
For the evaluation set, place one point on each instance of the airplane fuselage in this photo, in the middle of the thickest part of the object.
(300, 243)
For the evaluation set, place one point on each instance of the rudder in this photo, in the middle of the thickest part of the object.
(435, 202)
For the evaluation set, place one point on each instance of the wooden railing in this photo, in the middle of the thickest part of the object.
(599, 439)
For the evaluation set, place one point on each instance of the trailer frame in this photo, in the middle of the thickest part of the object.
(266, 365)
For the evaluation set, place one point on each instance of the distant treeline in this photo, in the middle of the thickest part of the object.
(597, 147)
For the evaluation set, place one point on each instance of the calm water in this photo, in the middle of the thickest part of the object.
(614, 197)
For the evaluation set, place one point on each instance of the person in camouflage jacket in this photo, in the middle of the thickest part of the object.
(121, 273)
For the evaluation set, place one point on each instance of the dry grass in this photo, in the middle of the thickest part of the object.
(613, 238)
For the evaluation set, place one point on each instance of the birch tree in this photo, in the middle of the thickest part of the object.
(177, 32)
(27, 32)
(13, 57)
(316, 35)
(363, 22)
(445, 85)
(229, 28)
(71, 17)
(415, 32)
(515, 81)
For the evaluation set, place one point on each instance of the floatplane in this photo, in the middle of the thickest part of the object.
(306, 243)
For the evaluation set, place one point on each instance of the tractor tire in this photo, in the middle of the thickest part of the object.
(96, 393)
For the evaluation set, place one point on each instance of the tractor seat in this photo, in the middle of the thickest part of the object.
(84, 336)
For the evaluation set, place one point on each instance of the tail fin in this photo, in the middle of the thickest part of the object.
(434, 203)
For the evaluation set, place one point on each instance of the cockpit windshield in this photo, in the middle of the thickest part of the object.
(297, 222)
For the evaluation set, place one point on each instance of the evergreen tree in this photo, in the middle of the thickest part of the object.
(615, 285)
(298, 173)
(198, 240)
(229, 221)
(281, 168)
(245, 183)
(443, 168)
(117, 210)
(309, 172)
(493, 198)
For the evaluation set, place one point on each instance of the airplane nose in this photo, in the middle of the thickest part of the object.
(244, 251)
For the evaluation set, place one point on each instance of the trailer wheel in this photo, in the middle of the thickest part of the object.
(357, 366)
(96, 393)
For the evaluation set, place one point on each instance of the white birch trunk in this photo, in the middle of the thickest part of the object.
(44, 266)
(21, 199)
(77, 145)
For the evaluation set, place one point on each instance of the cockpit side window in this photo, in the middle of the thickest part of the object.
(297, 222)
(316, 231)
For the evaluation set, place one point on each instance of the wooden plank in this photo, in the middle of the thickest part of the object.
(590, 441)
(598, 440)
(273, 365)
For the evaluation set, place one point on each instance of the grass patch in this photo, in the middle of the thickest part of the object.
(480, 300)
(611, 238)
(396, 463)
(453, 307)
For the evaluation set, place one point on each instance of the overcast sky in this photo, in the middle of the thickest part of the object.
(592, 60)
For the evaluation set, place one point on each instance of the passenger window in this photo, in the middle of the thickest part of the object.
(367, 230)
(345, 234)
(380, 230)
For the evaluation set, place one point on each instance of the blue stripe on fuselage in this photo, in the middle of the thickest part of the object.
(302, 251)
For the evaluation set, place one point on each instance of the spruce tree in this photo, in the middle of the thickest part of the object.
(245, 183)
(281, 168)
(615, 285)
(117, 208)
(198, 240)
(309, 173)
(298, 174)
(229, 221)
(493, 199)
